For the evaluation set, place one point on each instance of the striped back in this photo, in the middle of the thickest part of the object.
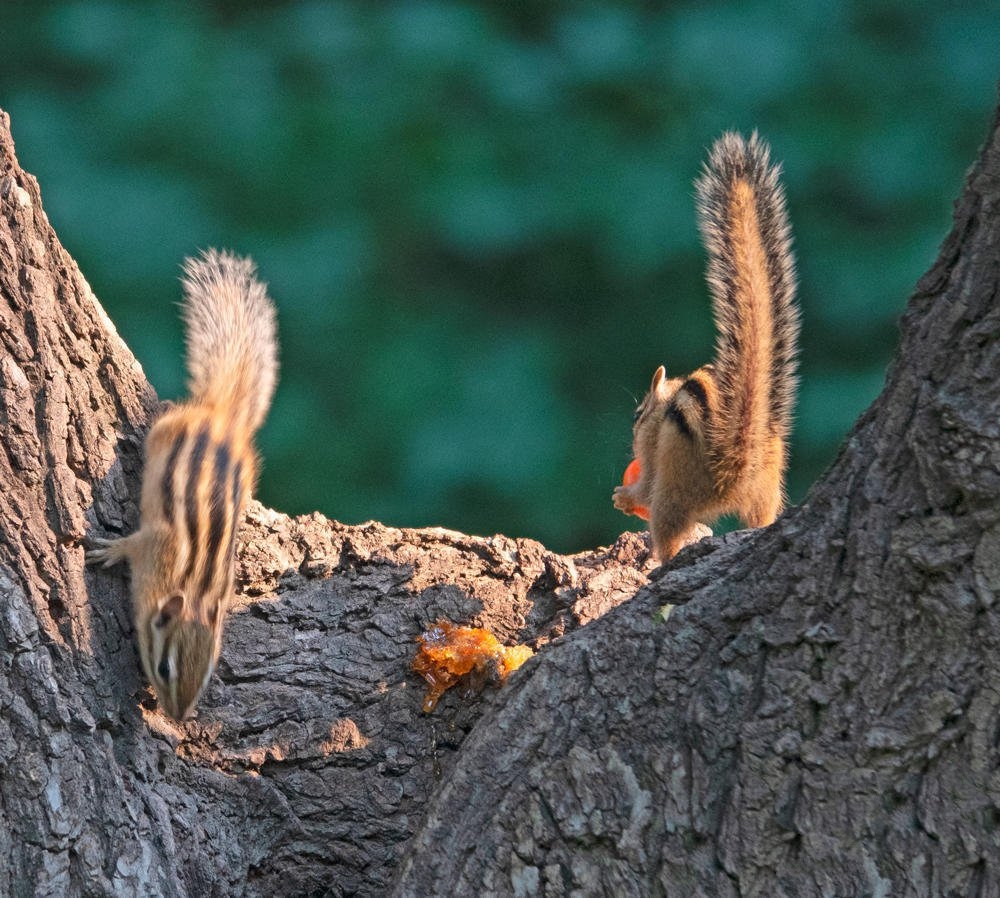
(198, 476)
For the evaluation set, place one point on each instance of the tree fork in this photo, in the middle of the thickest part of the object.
(810, 709)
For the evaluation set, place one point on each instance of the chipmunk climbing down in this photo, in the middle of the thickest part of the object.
(714, 442)
(200, 469)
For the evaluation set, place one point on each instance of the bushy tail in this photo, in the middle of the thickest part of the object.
(232, 349)
(751, 274)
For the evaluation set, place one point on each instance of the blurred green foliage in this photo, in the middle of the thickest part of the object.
(477, 219)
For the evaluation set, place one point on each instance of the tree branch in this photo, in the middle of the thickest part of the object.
(818, 714)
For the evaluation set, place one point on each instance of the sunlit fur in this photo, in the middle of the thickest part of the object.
(200, 470)
(715, 442)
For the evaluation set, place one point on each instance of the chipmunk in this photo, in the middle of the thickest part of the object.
(200, 469)
(714, 442)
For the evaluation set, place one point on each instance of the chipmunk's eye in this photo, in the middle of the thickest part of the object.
(163, 669)
(637, 414)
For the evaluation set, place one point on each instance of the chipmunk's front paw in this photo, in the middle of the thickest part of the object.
(105, 552)
(624, 499)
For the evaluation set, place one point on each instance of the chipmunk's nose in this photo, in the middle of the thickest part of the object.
(177, 713)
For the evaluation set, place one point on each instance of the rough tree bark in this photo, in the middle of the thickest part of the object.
(817, 712)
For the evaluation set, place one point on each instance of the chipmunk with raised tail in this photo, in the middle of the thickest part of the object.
(200, 469)
(715, 442)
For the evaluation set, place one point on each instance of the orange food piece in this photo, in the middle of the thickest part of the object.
(449, 652)
(632, 474)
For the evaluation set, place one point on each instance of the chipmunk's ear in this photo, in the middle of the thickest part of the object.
(213, 615)
(170, 609)
(659, 375)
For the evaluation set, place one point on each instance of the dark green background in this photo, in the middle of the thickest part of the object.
(476, 218)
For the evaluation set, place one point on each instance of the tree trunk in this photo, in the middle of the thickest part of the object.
(811, 709)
